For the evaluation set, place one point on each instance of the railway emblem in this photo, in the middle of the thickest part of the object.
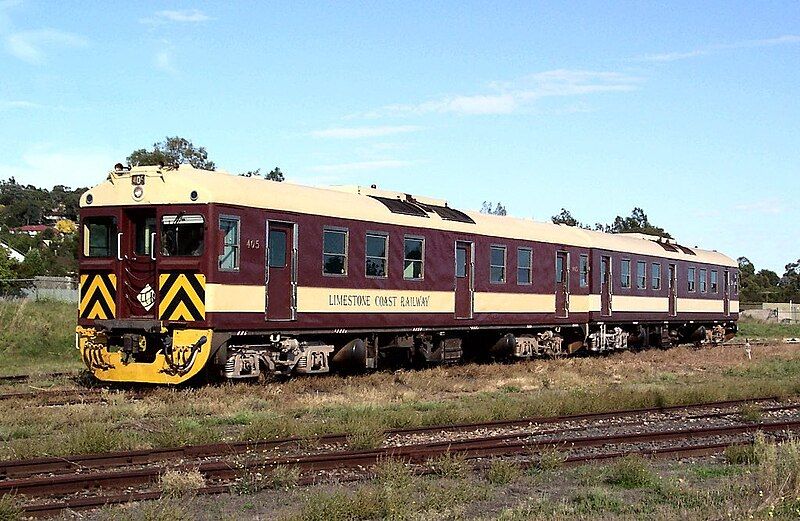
(98, 292)
(147, 297)
(182, 296)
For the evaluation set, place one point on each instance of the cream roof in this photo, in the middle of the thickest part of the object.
(175, 186)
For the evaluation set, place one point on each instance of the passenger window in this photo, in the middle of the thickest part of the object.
(690, 284)
(376, 255)
(182, 235)
(413, 258)
(99, 237)
(655, 276)
(524, 265)
(625, 273)
(641, 275)
(714, 284)
(702, 282)
(334, 252)
(277, 248)
(497, 264)
(229, 259)
(559, 269)
(461, 262)
(584, 271)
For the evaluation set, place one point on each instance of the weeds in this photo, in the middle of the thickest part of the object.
(502, 472)
(632, 471)
(740, 455)
(9, 508)
(450, 465)
(550, 459)
(750, 412)
(366, 436)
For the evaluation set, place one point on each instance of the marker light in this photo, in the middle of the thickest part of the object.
(138, 192)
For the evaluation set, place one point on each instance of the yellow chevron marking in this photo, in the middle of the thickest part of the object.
(181, 310)
(96, 285)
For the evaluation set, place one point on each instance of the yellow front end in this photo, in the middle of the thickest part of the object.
(187, 356)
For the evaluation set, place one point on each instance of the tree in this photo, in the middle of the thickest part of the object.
(274, 175)
(565, 217)
(172, 152)
(494, 209)
(636, 223)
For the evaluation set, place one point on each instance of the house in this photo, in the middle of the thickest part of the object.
(31, 229)
(12, 253)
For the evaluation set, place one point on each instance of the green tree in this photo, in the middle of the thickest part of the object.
(172, 152)
(493, 208)
(636, 223)
(274, 175)
(565, 217)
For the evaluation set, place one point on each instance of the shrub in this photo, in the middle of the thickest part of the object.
(365, 436)
(632, 471)
(740, 455)
(9, 508)
(550, 459)
(450, 465)
(750, 412)
(502, 472)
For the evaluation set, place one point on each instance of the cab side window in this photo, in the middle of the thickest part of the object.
(229, 258)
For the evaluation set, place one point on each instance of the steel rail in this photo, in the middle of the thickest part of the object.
(28, 467)
(341, 460)
(360, 460)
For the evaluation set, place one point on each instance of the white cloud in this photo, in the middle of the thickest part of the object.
(30, 45)
(710, 49)
(42, 167)
(18, 104)
(762, 206)
(513, 96)
(164, 62)
(178, 16)
(343, 168)
(363, 132)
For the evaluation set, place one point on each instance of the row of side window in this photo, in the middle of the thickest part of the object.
(497, 267)
(706, 284)
(376, 263)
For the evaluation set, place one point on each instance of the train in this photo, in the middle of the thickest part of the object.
(187, 274)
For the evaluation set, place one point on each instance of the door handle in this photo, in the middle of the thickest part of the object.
(119, 246)
(153, 246)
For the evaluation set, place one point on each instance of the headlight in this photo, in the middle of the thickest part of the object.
(138, 192)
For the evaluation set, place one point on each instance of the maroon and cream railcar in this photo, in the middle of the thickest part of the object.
(184, 270)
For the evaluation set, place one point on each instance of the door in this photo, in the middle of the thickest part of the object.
(281, 270)
(464, 276)
(605, 286)
(726, 293)
(138, 255)
(562, 284)
(673, 290)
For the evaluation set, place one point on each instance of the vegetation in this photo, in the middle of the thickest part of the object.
(636, 223)
(755, 329)
(37, 337)
(766, 285)
(493, 208)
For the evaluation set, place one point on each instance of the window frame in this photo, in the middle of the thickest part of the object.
(504, 266)
(113, 251)
(622, 282)
(691, 279)
(346, 255)
(702, 281)
(653, 278)
(237, 247)
(529, 269)
(583, 275)
(161, 233)
(385, 258)
(421, 261)
(713, 283)
(641, 275)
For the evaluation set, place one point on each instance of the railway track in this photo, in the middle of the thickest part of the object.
(66, 396)
(46, 478)
(57, 465)
(27, 377)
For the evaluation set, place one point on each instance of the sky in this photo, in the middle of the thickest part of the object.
(689, 110)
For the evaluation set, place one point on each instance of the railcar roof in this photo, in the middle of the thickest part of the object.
(165, 186)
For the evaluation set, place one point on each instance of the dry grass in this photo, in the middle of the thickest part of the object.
(365, 405)
(179, 483)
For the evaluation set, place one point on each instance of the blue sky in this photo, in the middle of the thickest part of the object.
(689, 110)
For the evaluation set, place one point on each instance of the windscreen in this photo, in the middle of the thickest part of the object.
(182, 235)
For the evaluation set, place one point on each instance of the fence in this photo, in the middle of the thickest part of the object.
(64, 289)
(783, 312)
